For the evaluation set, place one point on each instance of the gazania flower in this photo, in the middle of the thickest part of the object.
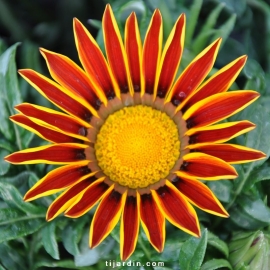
(133, 138)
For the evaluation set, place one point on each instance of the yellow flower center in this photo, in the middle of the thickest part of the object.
(137, 146)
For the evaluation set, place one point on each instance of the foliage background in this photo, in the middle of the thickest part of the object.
(27, 241)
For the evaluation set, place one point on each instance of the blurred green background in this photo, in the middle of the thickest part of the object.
(27, 241)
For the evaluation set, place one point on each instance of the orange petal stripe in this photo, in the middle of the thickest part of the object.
(63, 153)
(171, 57)
(88, 199)
(54, 120)
(151, 53)
(218, 107)
(43, 132)
(193, 75)
(218, 133)
(106, 216)
(133, 46)
(176, 209)
(57, 180)
(153, 221)
(231, 153)
(129, 227)
(200, 195)
(219, 82)
(206, 167)
(94, 61)
(68, 198)
(72, 77)
(62, 98)
(115, 51)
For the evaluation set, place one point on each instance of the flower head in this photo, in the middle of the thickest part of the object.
(132, 137)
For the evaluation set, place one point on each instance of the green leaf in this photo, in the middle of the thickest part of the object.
(216, 264)
(255, 208)
(207, 29)
(255, 75)
(14, 198)
(49, 240)
(192, 252)
(66, 264)
(72, 234)
(222, 189)
(225, 30)
(9, 72)
(4, 166)
(10, 258)
(258, 174)
(214, 241)
(15, 224)
(6, 127)
(244, 220)
(237, 7)
(192, 20)
(89, 256)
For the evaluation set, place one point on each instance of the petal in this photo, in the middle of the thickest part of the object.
(67, 198)
(151, 53)
(176, 209)
(106, 216)
(94, 61)
(129, 228)
(219, 133)
(218, 107)
(153, 222)
(43, 132)
(200, 195)
(62, 153)
(54, 120)
(171, 57)
(88, 199)
(72, 77)
(60, 97)
(194, 74)
(133, 46)
(218, 83)
(58, 179)
(115, 51)
(231, 153)
(206, 167)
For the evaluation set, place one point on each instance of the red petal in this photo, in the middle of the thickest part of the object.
(63, 153)
(151, 52)
(69, 75)
(176, 209)
(65, 100)
(106, 216)
(93, 60)
(43, 132)
(153, 221)
(200, 195)
(194, 74)
(134, 51)
(116, 54)
(204, 166)
(89, 198)
(129, 228)
(54, 120)
(219, 82)
(58, 179)
(171, 57)
(219, 133)
(67, 198)
(218, 107)
(231, 153)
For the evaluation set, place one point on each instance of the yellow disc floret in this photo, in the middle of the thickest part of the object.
(137, 146)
